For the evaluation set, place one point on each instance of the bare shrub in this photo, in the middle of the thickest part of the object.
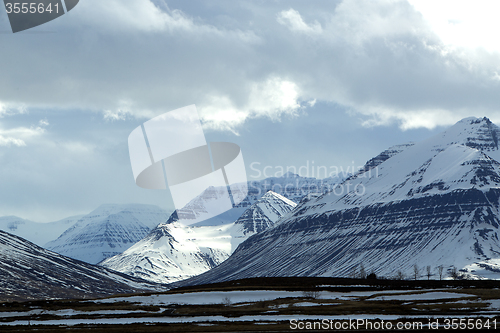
(226, 301)
(400, 275)
(416, 272)
(440, 271)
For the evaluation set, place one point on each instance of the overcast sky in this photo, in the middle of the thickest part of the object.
(291, 82)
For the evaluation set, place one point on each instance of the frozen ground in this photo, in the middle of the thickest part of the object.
(262, 306)
(237, 296)
(423, 296)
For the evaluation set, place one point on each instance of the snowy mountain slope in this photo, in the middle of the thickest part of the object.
(435, 165)
(28, 271)
(434, 203)
(385, 155)
(38, 233)
(173, 251)
(107, 231)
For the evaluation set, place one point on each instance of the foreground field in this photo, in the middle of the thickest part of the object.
(271, 305)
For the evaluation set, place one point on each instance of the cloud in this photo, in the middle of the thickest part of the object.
(126, 59)
(383, 60)
(19, 135)
(43, 122)
(70, 166)
(133, 15)
(9, 141)
(409, 119)
(271, 98)
(293, 21)
(460, 24)
(148, 17)
(9, 109)
(114, 115)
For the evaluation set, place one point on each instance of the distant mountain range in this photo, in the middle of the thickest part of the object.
(38, 233)
(107, 231)
(173, 251)
(290, 186)
(433, 203)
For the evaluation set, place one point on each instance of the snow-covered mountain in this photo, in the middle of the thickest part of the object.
(107, 231)
(174, 251)
(263, 214)
(38, 233)
(435, 203)
(28, 271)
(290, 186)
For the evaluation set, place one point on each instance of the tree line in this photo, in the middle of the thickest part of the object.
(360, 272)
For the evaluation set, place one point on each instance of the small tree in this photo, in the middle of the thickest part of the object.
(362, 272)
(428, 268)
(454, 273)
(400, 275)
(416, 272)
(353, 273)
(440, 271)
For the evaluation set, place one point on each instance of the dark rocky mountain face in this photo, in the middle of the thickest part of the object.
(485, 137)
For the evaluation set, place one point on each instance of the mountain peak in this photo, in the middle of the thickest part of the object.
(477, 133)
(271, 197)
(265, 212)
(271, 194)
(474, 120)
(290, 174)
(107, 230)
